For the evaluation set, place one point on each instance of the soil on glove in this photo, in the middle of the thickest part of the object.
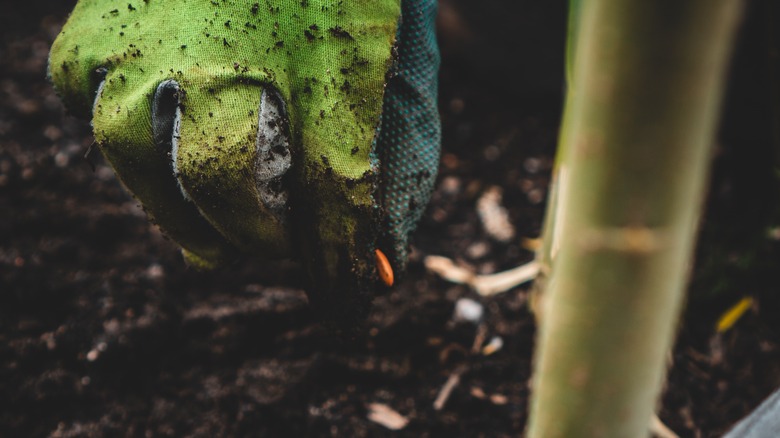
(104, 331)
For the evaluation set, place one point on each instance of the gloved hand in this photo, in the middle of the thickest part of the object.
(285, 128)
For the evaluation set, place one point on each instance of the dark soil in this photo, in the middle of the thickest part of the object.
(104, 331)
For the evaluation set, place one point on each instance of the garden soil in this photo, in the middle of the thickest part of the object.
(105, 331)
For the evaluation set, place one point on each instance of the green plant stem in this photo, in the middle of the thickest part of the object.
(637, 139)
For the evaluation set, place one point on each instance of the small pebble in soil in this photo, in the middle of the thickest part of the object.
(495, 344)
(95, 352)
(450, 185)
(478, 250)
(61, 159)
(104, 173)
(155, 271)
(535, 196)
(468, 310)
(532, 165)
(92, 355)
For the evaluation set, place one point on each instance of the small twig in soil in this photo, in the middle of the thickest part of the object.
(449, 385)
(485, 285)
(479, 338)
(454, 379)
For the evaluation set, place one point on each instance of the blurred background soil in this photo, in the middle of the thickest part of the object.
(104, 331)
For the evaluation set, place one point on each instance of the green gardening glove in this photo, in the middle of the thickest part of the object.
(282, 129)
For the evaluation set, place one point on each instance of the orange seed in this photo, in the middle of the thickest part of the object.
(383, 268)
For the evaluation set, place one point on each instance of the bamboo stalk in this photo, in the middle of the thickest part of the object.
(637, 140)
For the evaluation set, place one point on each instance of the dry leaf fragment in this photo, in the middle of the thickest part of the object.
(733, 314)
(494, 217)
(478, 392)
(382, 414)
